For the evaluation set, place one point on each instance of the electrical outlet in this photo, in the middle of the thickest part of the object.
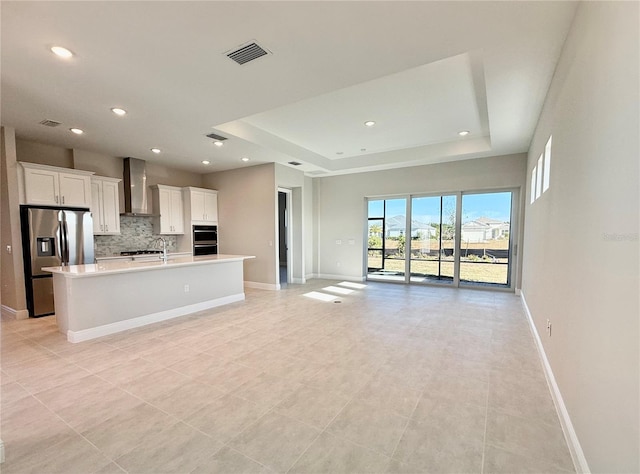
(549, 327)
(8, 248)
(186, 288)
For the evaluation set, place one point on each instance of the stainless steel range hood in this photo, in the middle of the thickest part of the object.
(135, 188)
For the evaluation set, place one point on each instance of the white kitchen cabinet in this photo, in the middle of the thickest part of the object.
(52, 186)
(167, 202)
(105, 205)
(201, 205)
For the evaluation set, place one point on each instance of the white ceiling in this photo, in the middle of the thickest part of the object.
(422, 70)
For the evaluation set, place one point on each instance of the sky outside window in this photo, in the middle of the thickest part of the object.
(426, 209)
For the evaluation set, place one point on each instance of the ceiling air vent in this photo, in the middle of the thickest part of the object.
(295, 163)
(213, 136)
(49, 123)
(247, 52)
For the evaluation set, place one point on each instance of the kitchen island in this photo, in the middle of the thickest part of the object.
(112, 296)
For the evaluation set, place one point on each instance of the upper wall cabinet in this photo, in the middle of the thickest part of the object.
(167, 202)
(105, 205)
(52, 186)
(201, 205)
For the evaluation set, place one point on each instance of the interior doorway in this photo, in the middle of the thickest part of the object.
(284, 238)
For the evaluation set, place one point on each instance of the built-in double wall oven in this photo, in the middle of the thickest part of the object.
(205, 240)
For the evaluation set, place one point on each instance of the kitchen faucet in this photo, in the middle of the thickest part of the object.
(164, 257)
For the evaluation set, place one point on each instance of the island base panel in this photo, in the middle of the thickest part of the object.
(87, 308)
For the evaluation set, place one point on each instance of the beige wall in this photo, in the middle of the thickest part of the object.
(34, 152)
(247, 216)
(342, 209)
(310, 229)
(12, 270)
(102, 165)
(581, 236)
(160, 174)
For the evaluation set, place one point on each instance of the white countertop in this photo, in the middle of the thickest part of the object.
(139, 256)
(125, 266)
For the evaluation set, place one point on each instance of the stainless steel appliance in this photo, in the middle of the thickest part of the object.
(146, 255)
(51, 238)
(205, 240)
(135, 188)
(133, 253)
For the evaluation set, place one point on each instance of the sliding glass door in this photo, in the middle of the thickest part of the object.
(387, 230)
(458, 239)
(433, 229)
(485, 246)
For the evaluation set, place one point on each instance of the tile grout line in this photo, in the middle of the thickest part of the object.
(486, 412)
(304, 451)
(177, 420)
(409, 419)
(72, 429)
(486, 422)
(226, 445)
(324, 430)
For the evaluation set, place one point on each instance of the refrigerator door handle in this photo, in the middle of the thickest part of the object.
(59, 242)
(65, 233)
(64, 241)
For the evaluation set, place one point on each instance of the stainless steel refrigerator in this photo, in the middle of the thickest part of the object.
(51, 238)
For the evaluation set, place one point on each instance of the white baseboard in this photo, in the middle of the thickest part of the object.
(577, 455)
(261, 286)
(299, 281)
(1, 451)
(119, 326)
(310, 276)
(10, 313)
(328, 276)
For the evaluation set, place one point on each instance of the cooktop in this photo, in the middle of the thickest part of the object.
(139, 252)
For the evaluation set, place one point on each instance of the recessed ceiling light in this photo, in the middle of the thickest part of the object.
(218, 143)
(245, 159)
(369, 123)
(155, 150)
(118, 111)
(77, 131)
(205, 162)
(464, 133)
(62, 52)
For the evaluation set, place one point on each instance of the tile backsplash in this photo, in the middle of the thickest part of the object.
(136, 233)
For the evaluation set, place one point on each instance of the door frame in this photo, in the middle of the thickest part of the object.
(514, 238)
(288, 236)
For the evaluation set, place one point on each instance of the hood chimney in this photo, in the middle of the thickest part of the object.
(135, 188)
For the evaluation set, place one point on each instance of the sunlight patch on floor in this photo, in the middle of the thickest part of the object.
(316, 295)
(350, 284)
(340, 291)
(350, 288)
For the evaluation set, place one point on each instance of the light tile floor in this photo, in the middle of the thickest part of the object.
(389, 378)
